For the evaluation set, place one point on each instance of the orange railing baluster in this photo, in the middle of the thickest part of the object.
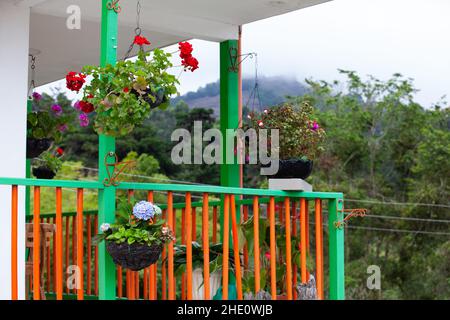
(307, 233)
(205, 241)
(89, 252)
(188, 246)
(214, 226)
(74, 243)
(152, 268)
(237, 259)
(146, 283)
(67, 252)
(47, 259)
(319, 249)
(256, 243)
(303, 239)
(54, 256)
(79, 218)
(194, 224)
(273, 272)
(36, 244)
(119, 282)
(183, 241)
(96, 258)
(287, 220)
(245, 218)
(164, 266)
(294, 234)
(59, 245)
(136, 285)
(174, 221)
(14, 239)
(170, 222)
(226, 242)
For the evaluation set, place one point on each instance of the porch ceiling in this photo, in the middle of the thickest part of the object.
(164, 22)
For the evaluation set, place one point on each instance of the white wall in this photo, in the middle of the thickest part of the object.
(14, 39)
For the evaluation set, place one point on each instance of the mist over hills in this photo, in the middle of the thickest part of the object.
(272, 90)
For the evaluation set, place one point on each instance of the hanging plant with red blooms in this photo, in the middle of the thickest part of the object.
(120, 97)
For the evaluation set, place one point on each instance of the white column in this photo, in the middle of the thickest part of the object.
(14, 39)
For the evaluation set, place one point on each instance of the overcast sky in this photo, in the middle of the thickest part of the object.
(371, 37)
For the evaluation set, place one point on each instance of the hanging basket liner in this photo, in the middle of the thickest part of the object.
(293, 168)
(134, 257)
(36, 146)
(43, 173)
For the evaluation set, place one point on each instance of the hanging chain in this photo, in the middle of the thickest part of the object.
(137, 30)
(33, 74)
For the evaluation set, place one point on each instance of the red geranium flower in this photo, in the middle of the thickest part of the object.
(86, 107)
(75, 81)
(140, 41)
(60, 151)
(190, 63)
(185, 49)
(126, 89)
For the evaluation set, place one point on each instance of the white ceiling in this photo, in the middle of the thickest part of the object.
(164, 22)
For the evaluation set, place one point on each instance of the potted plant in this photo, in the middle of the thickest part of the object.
(300, 137)
(120, 97)
(49, 164)
(135, 241)
(215, 267)
(45, 124)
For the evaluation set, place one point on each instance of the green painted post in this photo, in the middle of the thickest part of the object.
(229, 116)
(336, 249)
(229, 119)
(28, 172)
(107, 196)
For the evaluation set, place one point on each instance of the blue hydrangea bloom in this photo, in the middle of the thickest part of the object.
(144, 210)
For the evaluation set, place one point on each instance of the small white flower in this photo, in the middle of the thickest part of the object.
(157, 210)
(249, 116)
(266, 111)
(105, 227)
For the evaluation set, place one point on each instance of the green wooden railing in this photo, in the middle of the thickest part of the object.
(335, 211)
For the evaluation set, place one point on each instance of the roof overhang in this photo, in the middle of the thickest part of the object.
(164, 22)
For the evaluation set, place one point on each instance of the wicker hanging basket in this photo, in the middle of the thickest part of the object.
(135, 256)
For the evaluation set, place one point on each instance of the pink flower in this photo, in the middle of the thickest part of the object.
(77, 105)
(260, 123)
(315, 126)
(267, 255)
(56, 108)
(62, 127)
(36, 96)
(84, 120)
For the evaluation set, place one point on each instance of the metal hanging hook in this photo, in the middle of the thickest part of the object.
(33, 74)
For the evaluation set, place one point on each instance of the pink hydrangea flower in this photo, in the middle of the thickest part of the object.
(56, 108)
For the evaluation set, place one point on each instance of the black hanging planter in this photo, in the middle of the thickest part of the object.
(160, 97)
(36, 146)
(43, 173)
(135, 256)
(293, 168)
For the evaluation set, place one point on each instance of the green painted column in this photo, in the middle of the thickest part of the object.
(28, 173)
(229, 114)
(107, 196)
(336, 249)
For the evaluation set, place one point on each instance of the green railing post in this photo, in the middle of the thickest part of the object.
(107, 196)
(336, 249)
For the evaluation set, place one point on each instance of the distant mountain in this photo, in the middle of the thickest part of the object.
(272, 90)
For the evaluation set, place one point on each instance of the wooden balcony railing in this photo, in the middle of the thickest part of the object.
(195, 213)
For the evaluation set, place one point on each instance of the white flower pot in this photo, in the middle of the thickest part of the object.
(215, 280)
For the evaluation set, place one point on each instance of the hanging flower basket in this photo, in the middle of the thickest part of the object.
(294, 168)
(136, 240)
(43, 173)
(36, 146)
(135, 256)
(120, 97)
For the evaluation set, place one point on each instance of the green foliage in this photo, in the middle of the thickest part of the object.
(119, 92)
(44, 123)
(50, 160)
(299, 134)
